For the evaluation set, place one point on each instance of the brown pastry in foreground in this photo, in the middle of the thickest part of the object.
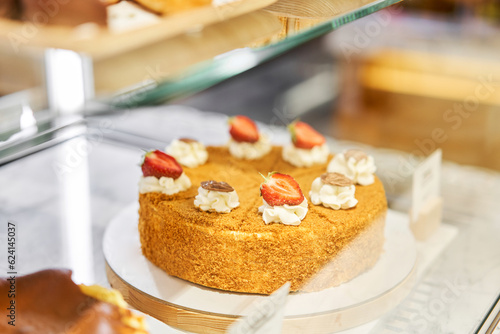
(172, 6)
(9, 9)
(48, 301)
(69, 13)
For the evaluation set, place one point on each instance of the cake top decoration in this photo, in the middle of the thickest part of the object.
(188, 152)
(217, 186)
(246, 142)
(159, 164)
(355, 164)
(280, 189)
(243, 129)
(283, 200)
(305, 136)
(336, 179)
(188, 140)
(214, 196)
(308, 146)
(333, 190)
(162, 173)
(357, 155)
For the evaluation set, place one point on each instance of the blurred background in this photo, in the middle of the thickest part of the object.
(416, 76)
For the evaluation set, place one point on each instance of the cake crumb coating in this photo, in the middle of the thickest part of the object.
(238, 252)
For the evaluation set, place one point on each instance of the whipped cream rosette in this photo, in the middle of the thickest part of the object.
(284, 214)
(250, 151)
(162, 173)
(283, 201)
(302, 157)
(246, 141)
(308, 146)
(216, 196)
(356, 165)
(333, 190)
(188, 152)
(165, 185)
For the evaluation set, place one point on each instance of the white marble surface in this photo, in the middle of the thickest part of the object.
(61, 218)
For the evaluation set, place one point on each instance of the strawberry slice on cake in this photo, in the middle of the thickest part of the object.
(283, 200)
(159, 164)
(305, 136)
(308, 146)
(246, 141)
(162, 173)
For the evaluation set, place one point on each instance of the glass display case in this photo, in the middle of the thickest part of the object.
(76, 124)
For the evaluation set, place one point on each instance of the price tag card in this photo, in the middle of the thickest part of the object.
(265, 316)
(426, 183)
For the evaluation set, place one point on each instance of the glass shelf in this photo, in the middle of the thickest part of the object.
(158, 72)
(210, 72)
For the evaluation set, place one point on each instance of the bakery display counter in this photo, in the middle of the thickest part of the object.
(294, 28)
(141, 60)
(64, 198)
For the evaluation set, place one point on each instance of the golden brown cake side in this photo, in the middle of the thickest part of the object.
(355, 258)
(239, 252)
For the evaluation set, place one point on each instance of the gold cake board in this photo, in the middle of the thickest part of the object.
(197, 321)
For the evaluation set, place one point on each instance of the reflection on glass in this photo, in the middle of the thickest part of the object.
(27, 126)
(65, 80)
(73, 175)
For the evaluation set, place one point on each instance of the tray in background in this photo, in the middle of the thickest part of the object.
(102, 43)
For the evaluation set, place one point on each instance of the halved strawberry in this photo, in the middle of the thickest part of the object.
(304, 136)
(158, 164)
(280, 189)
(243, 129)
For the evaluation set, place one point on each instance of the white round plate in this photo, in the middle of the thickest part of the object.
(122, 251)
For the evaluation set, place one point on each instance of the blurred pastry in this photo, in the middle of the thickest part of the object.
(69, 13)
(48, 301)
(172, 6)
(9, 8)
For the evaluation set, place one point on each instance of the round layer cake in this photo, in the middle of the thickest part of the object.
(237, 251)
